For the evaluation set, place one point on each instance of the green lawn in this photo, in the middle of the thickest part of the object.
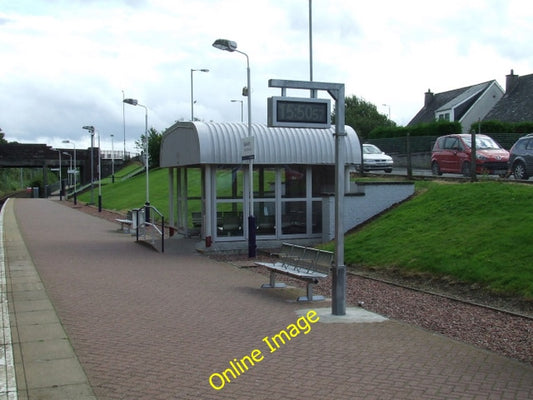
(125, 195)
(473, 232)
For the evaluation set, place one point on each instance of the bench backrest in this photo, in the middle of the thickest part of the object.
(324, 260)
(308, 258)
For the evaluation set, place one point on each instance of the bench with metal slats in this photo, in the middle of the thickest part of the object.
(306, 263)
(125, 222)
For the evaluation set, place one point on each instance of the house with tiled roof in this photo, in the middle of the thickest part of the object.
(465, 105)
(516, 105)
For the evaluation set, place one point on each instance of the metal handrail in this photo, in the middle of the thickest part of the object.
(147, 222)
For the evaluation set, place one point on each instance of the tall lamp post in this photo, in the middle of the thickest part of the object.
(238, 101)
(134, 102)
(75, 170)
(99, 175)
(192, 90)
(112, 159)
(231, 46)
(90, 128)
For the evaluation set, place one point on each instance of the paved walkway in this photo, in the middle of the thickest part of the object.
(145, 325)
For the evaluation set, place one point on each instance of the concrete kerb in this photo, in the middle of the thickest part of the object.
(353, 315)
(45, 364)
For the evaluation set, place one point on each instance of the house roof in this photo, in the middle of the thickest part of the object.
(195, 143)
(459, 99)
(516, 105)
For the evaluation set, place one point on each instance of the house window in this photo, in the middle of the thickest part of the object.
(444, 117)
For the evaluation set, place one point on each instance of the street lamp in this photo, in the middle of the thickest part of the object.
(90, 128)
(192, 90)
(75, 170)
(113, 159)
(134, 102)
(231, 46)
(238, 101)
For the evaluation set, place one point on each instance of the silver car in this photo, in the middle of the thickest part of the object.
(374, 159)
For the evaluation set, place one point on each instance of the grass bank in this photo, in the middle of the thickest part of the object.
(473, 232)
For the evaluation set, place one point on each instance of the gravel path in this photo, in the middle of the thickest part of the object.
(509, 335)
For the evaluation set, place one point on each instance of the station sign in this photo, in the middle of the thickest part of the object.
(248, 148)
(299, 112)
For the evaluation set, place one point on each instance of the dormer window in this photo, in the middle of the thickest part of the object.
(443, 116)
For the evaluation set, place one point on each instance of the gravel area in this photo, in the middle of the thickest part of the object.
(498, 331)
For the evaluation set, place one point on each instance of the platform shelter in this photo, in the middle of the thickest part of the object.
(293, 169)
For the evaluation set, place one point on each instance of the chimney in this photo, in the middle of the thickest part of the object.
(428, 98)
(511, 81)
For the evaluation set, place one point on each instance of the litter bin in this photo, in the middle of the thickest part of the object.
(35, 192)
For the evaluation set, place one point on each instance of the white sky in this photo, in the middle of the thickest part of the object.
(66, 63)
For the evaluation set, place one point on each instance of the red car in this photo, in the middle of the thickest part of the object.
(452, 154)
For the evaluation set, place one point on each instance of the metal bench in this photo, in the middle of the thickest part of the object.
(306, 263)
(126, 224)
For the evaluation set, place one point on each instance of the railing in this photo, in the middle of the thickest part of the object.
(147, 221)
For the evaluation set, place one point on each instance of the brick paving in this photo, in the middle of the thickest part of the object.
(146, 325)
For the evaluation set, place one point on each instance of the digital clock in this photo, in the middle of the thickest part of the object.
(297, 112)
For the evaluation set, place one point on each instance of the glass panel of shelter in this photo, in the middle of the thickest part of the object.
(264, 200)
(294, 201)
(229, 201)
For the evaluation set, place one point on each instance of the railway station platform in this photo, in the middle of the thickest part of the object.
(88, 314)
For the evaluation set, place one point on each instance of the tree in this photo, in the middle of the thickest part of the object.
(154, 145)
(2, 140)
(363, 116)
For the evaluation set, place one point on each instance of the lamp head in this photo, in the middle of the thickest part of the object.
(65, 141)
(90, 128)
(224, 44)
(133, 102)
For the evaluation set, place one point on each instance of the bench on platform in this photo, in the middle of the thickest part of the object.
(125, 223)
(306, 263)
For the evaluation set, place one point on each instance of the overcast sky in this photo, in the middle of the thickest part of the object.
(68, 63)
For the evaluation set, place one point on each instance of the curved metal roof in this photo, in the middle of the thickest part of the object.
(194, 143)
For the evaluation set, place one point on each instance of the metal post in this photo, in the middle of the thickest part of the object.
(251, 218)
(473, 156)
(124, 126)
(162, 234)
(75, 177)
(92, 167)
(60, 178)
(99, 176)
(338, 304)
(146, 158)
(113, 159)
(192, 97)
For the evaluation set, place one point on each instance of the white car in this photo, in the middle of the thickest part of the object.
(375, 159)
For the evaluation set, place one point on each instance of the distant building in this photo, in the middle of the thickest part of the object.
(465, 105)
(516, 105)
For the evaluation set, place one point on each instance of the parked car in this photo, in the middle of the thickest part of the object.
(521, 157)
(452, 154)
(374, 159)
